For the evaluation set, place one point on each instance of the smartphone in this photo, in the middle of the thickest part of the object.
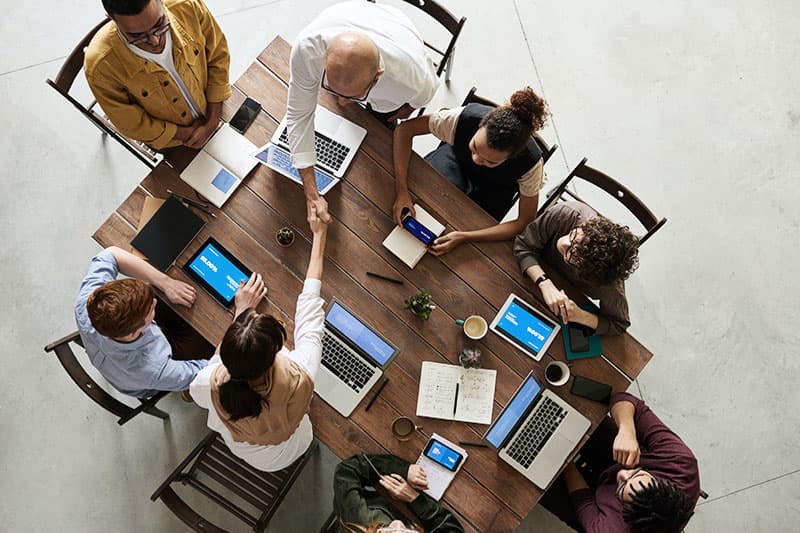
(245, 115)
(591, 389)
(579, 338)
(440, 453)
(416, 229)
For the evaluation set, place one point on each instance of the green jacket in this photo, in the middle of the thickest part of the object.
(355, 502)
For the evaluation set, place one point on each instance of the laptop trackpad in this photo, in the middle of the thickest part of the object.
(550, 459)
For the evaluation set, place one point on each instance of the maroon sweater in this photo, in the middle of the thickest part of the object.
(663, 454)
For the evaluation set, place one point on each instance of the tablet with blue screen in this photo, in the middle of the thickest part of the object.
(217, 271)
(525, 327)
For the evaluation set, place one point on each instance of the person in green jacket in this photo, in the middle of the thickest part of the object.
(362, 509)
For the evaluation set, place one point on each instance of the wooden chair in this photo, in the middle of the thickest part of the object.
(451, 23)
(547, 151)
(90, 387)
(331, 524)
(615, 189)
(233, 484)
(63, 84)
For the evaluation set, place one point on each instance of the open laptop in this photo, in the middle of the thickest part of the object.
(354, 357)
(336, 141)
(536, 432)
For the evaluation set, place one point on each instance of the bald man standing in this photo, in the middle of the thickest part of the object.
(363, 53)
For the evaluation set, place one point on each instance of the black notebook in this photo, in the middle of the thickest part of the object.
(167, 233)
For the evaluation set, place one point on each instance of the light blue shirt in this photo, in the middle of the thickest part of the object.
(139, 368)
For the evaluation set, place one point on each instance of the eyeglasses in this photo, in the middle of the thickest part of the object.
(636, 473)
(159, 28)
(572, 245)
(360, 100)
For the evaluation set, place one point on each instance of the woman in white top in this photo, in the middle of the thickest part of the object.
(256, 391)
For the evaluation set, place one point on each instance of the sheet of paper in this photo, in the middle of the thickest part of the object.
(439, 383)
(439, 478)
(405, 246)
(232, 150)
(149, 208)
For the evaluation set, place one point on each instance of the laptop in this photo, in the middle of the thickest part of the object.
(354, 357)
(336, 142)
(536, 432)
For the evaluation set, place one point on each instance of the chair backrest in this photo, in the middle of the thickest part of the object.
(547, 151)
(232, 483)
(89, 386)
(614, 189)
(63, 83)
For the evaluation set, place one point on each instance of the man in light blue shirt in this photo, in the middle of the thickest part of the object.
(115, 321)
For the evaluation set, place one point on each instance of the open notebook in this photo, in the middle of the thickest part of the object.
(222, 164)
(405, 246)
(452, 392)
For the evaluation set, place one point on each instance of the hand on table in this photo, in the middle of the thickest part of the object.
(250, 293)
(318, 208)
(201, 134)
(402, 201)
(446, 242)
(626, 448)
(556, 299)
(179, 293)
(417, 477)
(398, 488)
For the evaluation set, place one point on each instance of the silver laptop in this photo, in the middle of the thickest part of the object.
(354, 357)
(336, 142)
(536, 432)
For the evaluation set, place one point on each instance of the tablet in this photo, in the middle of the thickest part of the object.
(525, 327)
(217, 271)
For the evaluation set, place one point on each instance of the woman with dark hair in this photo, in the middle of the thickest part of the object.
(361, 509)
(256, 391)
(487, 152)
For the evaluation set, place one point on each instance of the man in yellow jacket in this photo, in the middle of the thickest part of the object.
(159, 70)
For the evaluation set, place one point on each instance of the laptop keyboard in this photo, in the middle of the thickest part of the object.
(347, 367)
(282, 160)
(329, 152)
(537, 431)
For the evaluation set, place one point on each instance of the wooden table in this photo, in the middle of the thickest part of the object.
(488, 494)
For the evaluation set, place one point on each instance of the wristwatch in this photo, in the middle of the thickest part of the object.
(540, 279)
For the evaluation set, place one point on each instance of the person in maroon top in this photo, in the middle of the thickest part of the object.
(646, 480)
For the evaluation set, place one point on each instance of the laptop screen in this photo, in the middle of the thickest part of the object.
(514, 411)
(521, 323)
(359, 334)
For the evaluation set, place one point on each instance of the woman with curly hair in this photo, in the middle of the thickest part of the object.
(593, 253)
(488, 153)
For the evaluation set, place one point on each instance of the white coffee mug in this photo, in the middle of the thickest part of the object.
(475, 327)
(556, 373)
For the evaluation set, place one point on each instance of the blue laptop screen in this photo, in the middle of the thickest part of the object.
(359, 334)
(515, 410)
(222, 275)
(520, 323)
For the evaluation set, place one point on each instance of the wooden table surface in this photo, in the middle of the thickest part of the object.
(488, 494)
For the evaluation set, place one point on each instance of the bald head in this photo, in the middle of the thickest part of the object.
(352, 62)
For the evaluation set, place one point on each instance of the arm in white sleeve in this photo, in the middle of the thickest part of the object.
(309, 322)
(305, 65)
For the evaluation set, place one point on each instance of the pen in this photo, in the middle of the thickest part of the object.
(375, 396)
(188, 200)
(475, 444)
(455, 401)
(385, 278)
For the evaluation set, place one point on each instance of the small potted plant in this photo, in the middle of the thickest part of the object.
(285, 236)
(470, 358)
(420, 304)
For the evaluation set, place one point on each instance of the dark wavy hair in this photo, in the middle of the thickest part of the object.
(125, 7)
(659, 508)
(607, 252)
(248, 350)
(509, 126)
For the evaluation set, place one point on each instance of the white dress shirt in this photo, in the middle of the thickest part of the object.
(409, 77)
(309, 322)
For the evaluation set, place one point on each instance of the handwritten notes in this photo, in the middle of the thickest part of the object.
(451, 392)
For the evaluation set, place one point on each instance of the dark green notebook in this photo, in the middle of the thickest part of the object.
(595, 347)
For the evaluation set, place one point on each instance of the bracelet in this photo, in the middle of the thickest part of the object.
(540, 279)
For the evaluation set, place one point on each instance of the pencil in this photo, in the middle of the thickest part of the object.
(377, 393)
(385, 278)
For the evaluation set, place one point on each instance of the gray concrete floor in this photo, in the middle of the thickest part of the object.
(693, 105)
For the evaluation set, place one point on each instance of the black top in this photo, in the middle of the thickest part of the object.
(494, 189)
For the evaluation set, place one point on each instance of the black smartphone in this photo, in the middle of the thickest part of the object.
(245, 115)
(442, 454)
(413, 226)
(579, 338)
(591, 389)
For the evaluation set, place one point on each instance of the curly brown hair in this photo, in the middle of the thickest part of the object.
(607, 252)
(509, 126)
